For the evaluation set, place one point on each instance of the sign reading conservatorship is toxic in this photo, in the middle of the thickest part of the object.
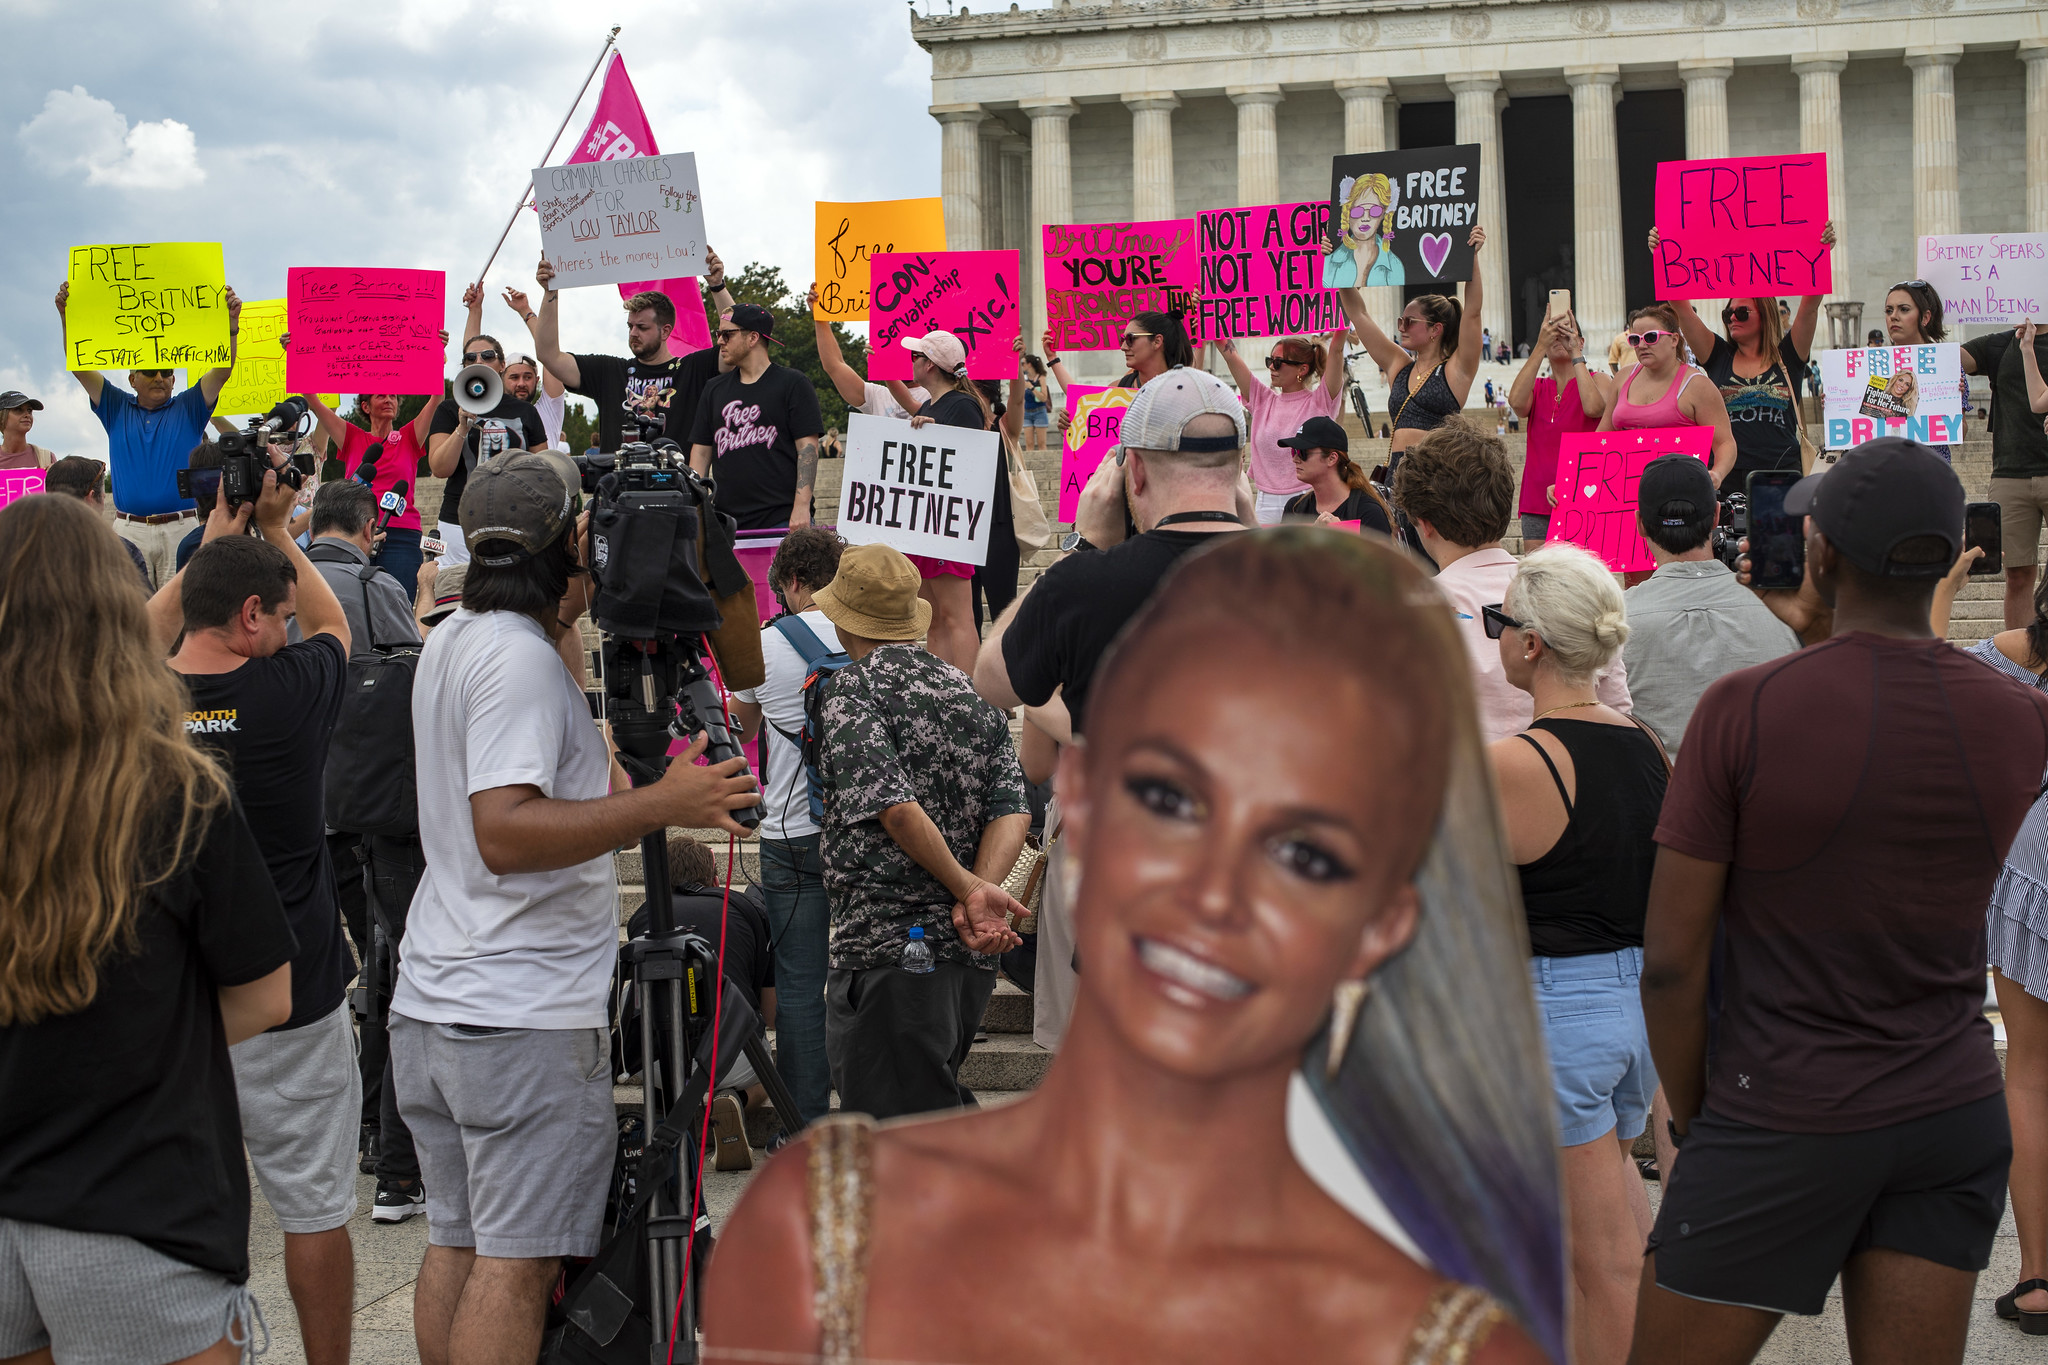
(1994, 277)
(146, 306)
(607, 222)
(1910, 391)
(926, 490)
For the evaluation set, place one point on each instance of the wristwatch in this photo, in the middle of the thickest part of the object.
(1074, 540)
(1677, 1138)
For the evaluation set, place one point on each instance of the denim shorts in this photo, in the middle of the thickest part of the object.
(1600, 1068)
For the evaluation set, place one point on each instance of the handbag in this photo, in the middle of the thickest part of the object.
(1027, 513)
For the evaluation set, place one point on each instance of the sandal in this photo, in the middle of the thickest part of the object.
(2032, 1323)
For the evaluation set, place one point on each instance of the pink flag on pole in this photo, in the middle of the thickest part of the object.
(618, 130)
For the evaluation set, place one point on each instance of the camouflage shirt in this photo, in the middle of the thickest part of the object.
(902, 726)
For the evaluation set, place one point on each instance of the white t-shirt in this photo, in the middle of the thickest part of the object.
(781, 699)
(878, 403)
(551, 412)
(492, 706)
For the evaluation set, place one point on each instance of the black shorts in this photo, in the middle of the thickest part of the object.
(1766, 1219)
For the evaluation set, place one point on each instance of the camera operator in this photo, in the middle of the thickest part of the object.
(1690, 622)
(268, 707)
(499, 1024)
(206, 488)
(144, 937)
(82, 479)
(458, 442)
(652, 384)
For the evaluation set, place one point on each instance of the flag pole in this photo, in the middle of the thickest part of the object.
(525, 192)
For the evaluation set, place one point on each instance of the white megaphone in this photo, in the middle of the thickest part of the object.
(478, 390)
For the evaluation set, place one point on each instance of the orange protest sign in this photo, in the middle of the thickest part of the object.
(848, 234)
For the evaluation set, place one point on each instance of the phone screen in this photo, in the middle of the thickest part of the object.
(1777, 540)
(1984, 526)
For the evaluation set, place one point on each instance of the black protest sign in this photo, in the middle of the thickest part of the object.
(1403, 217)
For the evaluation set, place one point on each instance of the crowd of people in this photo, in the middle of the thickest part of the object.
(1337, 814)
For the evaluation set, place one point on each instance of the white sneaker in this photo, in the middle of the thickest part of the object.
(395, 1204)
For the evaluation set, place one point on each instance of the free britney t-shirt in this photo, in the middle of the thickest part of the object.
(623, 386)
(752, 430)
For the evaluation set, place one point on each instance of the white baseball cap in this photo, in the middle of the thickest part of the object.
(1166, 404)
(943, 349)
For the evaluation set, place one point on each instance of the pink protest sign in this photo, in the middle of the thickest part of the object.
(19, 483)
(1597, 473)
(1261, 273)
(1744, 226)
(972, 294)
(1097, 426)
(1098, 276)
(364, 331)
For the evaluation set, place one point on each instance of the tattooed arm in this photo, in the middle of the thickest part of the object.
(806, 480)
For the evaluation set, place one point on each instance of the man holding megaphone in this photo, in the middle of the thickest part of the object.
(478, 424)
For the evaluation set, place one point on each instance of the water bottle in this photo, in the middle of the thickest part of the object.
(917, 954)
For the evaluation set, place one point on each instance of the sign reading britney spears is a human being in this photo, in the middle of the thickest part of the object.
(1597, 475)
(925, 490)
(1739, 227)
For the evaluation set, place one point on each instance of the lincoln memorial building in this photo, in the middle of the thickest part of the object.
(1933, 115)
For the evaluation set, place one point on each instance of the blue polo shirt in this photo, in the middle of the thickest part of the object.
(147, 447)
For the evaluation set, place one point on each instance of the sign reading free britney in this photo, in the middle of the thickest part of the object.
(1742, 227)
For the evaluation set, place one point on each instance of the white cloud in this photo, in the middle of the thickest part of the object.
(77, 131)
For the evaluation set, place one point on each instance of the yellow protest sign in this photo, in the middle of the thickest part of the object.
(850, 233)
(257, 384)
(146, 305)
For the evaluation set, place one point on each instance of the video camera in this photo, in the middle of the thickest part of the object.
(1730, 530)
(245, 458)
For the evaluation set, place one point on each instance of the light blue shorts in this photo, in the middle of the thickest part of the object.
(1600, 1067)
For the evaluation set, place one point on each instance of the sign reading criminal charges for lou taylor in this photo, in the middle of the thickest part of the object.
(609, 222)
(1262, 273)
(926, 490)
(972, 294)
(146, 306)
(1742, 227)
(1403, 217)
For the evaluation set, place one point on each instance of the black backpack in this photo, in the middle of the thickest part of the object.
(821, 664)
(371, 773)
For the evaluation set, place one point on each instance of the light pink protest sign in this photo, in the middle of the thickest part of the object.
(1742, 227)
(1261, 273)
(972, 294)
(1597, 474)
(364, 331)
(1096, 428)
(19, 483)
(1098, 276)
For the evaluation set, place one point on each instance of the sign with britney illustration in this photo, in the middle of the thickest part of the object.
(1402, 217)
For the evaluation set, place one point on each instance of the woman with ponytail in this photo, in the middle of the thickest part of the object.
(1432, 356)
(1308, 377)
(1581, 789)
(1338, 490)
(1298, 1113)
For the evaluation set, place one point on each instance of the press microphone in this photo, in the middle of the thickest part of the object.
(366, 472)
(392, 504)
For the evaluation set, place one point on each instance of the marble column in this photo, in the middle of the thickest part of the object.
(1479, 121)
(992, 131)
(1706, 136)
(1820, 130)
(1600, 296)
(2034, 52)
(1370, 126)
(1017, 195)
(1258, 143)
(1052, 193)
(960, 173)
(1937, 201)
(1152, 154)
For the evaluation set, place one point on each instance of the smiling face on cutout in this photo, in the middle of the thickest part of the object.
(1232, 874)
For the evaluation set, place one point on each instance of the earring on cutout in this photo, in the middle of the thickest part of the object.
(1345, 1003)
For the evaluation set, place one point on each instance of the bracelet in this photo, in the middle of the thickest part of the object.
(530, 316)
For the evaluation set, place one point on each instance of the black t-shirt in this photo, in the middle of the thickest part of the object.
(270, 721)
(2019, 448)
(512, 425)
(1077, 607)
(1760, 411)
(752, 430)
(122, 1117)
(749, 955)
(620, 385)
(958, 409)
(1361, 507)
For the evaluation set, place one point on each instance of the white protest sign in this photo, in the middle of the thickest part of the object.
(1910, 391)
(613, 222)
(1994, 277)
(926, 490)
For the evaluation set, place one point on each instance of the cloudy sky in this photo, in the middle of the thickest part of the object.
(398, 133)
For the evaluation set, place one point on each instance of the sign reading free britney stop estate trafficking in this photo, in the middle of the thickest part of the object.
(925, 490)
(609, 222)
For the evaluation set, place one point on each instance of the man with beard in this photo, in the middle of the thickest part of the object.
(523, 377)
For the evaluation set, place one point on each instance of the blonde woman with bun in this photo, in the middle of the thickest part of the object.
(1580, 790)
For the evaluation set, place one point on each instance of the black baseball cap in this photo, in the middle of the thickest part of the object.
(1675, 491)
(1318, 433)
(752, 317)
(15, 398)
(1879, 494)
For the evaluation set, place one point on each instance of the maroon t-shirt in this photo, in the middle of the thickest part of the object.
(1864, 792)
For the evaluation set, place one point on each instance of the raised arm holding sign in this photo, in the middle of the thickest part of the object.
(1742, 226)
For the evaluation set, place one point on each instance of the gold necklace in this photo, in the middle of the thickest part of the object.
(1568, 706)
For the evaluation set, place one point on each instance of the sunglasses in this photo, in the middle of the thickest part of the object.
(1274, 362)
(1649, 338)
(1735, 314)
(1910, 284)
(1130, 339)
(726, 334)
(156, 374)
(477, 357)
(1497, 621)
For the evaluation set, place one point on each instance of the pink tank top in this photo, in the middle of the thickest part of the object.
(1663, 412)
